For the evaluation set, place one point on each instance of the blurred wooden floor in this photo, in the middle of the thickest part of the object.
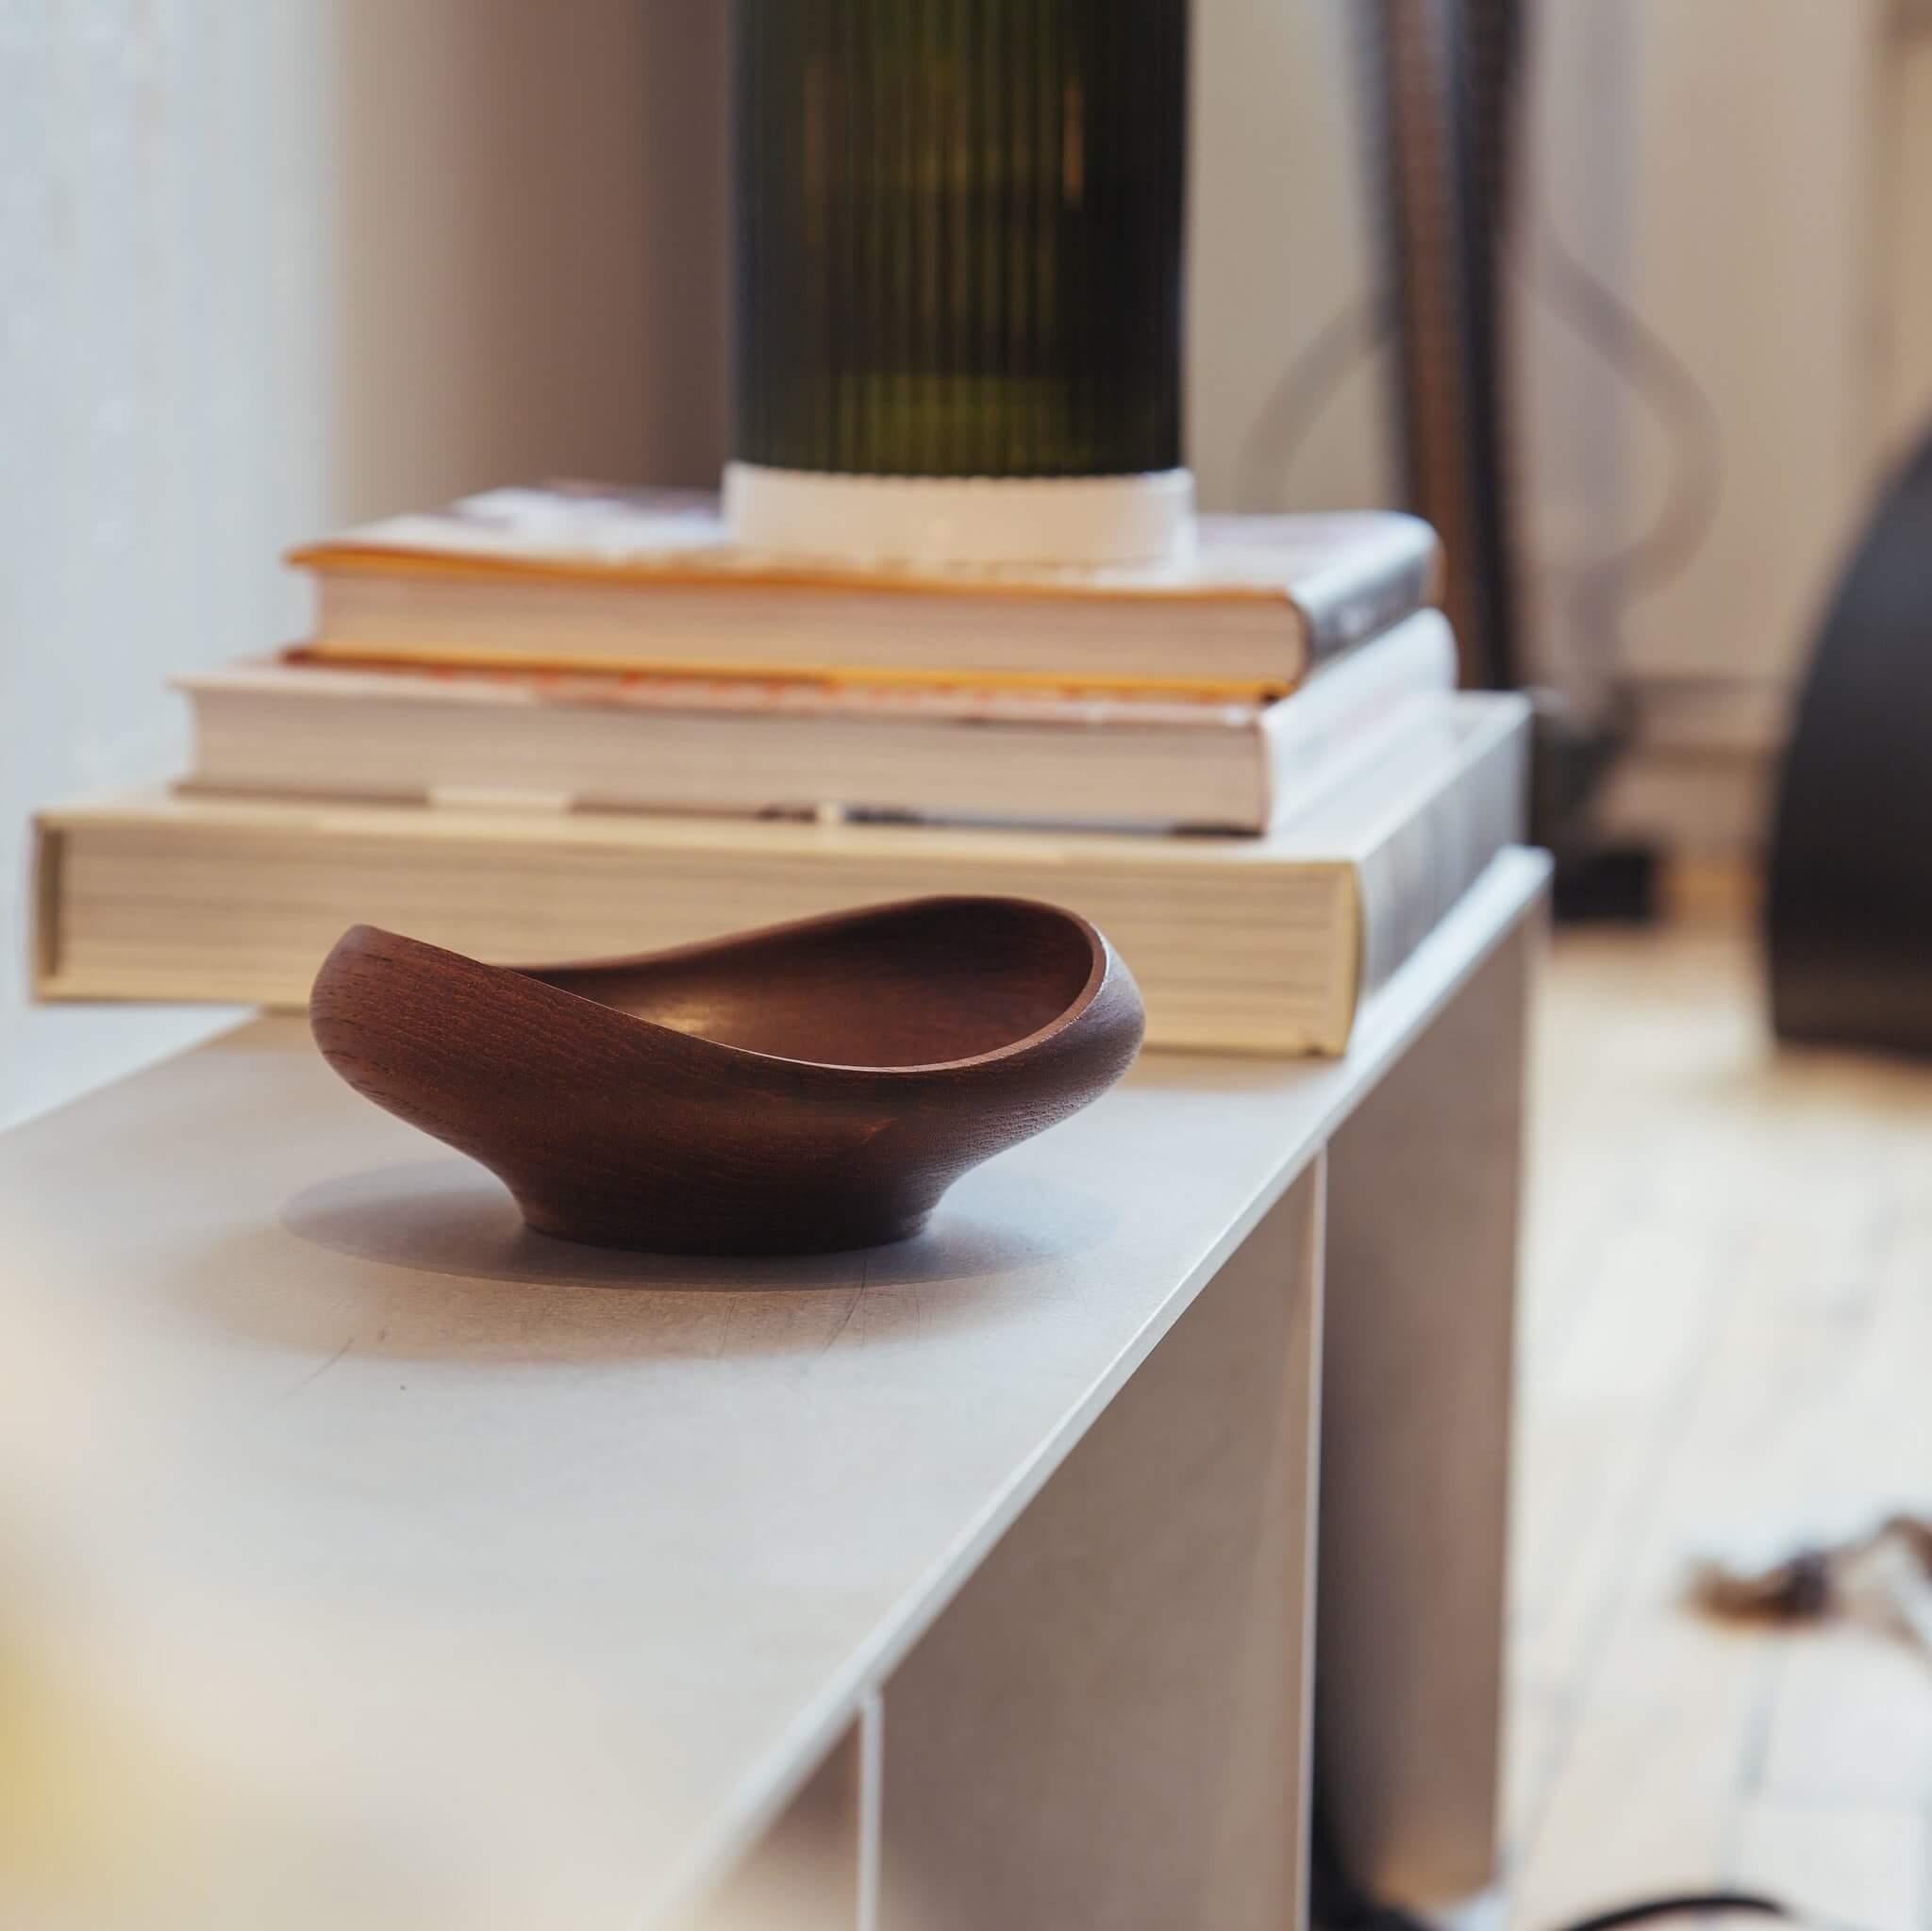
(1726, 1344)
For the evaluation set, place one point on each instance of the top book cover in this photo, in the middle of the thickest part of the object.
(588, 576)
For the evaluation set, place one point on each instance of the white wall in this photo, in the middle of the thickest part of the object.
(1282, 240)
(264, 268)
(1755, 195)
(1904, 319)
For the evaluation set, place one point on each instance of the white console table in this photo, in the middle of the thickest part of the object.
(981, 1575)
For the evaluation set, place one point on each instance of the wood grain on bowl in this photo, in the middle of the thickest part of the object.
(807, 1087)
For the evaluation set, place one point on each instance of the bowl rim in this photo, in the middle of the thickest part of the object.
(1103, 963)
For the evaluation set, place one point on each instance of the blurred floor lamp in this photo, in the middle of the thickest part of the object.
(1443, 82)
(1439, 85)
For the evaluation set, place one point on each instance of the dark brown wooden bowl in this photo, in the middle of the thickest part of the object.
(790, 1090)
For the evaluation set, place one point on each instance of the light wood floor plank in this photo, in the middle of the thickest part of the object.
(1846, 1867)
(1725, 1346)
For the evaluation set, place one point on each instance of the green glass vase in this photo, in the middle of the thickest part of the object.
(959, 231)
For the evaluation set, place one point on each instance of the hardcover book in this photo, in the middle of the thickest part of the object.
(572, 576)
(296, 726)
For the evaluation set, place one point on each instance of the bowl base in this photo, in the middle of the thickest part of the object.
(730, 1242)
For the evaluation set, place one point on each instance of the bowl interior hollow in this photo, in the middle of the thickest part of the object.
(923, 984)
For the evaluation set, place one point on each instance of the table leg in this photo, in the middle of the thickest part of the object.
(1423, 1210)
(1110, 1726)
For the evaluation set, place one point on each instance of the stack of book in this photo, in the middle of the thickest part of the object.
(567, 721)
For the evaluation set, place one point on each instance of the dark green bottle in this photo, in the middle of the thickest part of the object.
(960, 230)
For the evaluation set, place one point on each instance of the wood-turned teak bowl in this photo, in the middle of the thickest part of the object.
(804, 1088)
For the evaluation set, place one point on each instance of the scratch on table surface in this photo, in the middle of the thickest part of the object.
(320, 1369)
(851, 1306)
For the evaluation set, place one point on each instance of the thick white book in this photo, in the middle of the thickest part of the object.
(311, 728)
(1240, 943)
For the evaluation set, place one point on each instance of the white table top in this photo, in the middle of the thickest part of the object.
(581, 1558)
